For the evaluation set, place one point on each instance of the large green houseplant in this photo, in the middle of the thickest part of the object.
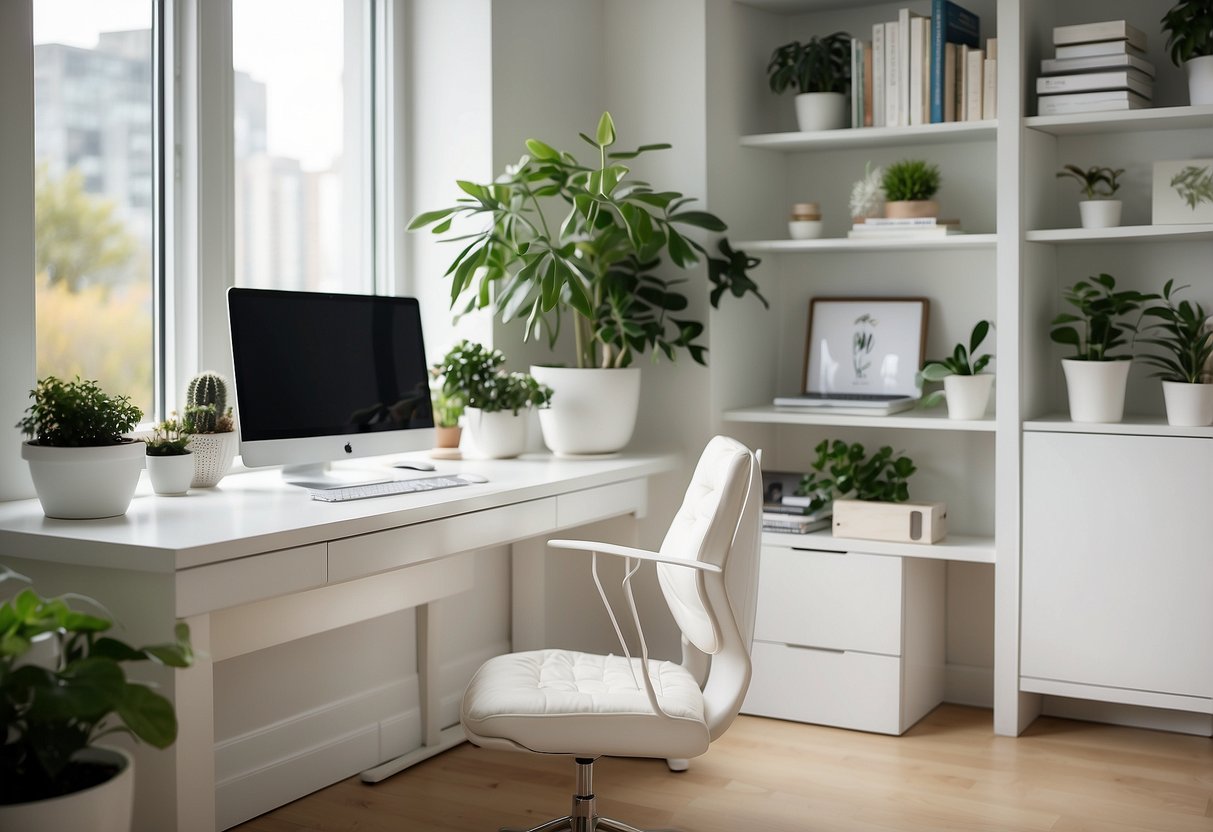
(1189, 28)
(553, 239)
(819, 70)
(62, 689)
(1182, 330)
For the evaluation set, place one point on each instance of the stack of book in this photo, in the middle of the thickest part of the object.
(788, 516)
(914, 228)
(924, 70)
(1096, 67)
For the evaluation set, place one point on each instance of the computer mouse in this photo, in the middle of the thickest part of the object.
(415, 464)
(473, 478)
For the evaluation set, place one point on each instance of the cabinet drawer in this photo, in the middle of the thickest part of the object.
(846, 690)
(835, 600)
(593, 504)
(228, 584)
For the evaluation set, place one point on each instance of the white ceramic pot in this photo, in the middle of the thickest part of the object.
(821, 111)
(1099, 213)
(1200, 80)
(1096, 389)
(171, 475)
(213, 455)
(497, 435)
(967, 396)
(911, 209)
(593, 411)
(804, 229)
(105, 807)
(85, 483)
(1189, 405)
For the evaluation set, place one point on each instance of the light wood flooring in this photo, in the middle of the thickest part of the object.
(949, 773)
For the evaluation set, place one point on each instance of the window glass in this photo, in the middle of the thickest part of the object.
(93, 213)
(302, 145)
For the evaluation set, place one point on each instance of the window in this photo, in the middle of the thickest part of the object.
(93, 215)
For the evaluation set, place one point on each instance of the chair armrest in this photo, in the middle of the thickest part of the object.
(630, 552)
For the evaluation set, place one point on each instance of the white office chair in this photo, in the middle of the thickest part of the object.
(587, 706)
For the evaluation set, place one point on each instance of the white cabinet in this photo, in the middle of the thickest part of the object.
(848, 639)
(1118, 568)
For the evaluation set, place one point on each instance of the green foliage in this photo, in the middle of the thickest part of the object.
(168, 438)
(820, 65)
(78, 240)
(1101, 310)
(1194, 184)
(845, 472)
(598, 265)
(1189, 28)
(910, 180)
(1092, 178)
(1183, 333)
(447, 408)
(206, 409)
(472, 374)
(75, 414)
(52, 708)
(962, 362)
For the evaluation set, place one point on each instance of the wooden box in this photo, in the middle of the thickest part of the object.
(911, 522)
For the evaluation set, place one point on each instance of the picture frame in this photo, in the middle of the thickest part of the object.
(1182, 192)
(775, 486)
(856, 345)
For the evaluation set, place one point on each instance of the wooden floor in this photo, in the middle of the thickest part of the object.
(948, 773)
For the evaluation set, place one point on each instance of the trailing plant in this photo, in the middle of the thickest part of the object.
(867, 195)
(599, 264)
(910, 180)
(169, 438)
(206, 409)
(1184, 333)
(818, 65)
(1194, 185)
(54, 706)
(1189, 28)
(962, 362)
(1101, 327)
(1092, 179)
(74, 414)
(843, 471)
(472, 373)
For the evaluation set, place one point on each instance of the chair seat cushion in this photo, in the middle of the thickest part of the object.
(564, 702)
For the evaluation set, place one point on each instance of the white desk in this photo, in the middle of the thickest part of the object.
(255, 563)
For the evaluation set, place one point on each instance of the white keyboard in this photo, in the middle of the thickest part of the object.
(343, 493)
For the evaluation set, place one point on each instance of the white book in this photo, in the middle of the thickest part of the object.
(1091, 102)
(920, 75)
(989, 94)
(903, 222)
(1058, 66)
(904, 36)
(878, 75)
(991, 49)
(949, 81)
(925, 232)
(1104, 30)
(974, 87)
(1102, 47)
(962, 76)
(1131, 79)
(892, 109)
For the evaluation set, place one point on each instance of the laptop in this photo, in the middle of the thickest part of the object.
(862, 356)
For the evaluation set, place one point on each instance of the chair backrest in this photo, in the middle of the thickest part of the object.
(719, 523)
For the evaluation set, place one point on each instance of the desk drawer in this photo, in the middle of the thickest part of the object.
(580, 507)
(847, 690)
(228, 584)
(834, 600)
(367, 554)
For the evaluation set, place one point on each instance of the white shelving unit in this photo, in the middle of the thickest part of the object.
(955, 547)
(1133, 121)
(908, 420)
(959, 131)
(847, 244)
(1122, 234)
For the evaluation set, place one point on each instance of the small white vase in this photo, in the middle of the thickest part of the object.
(1188, 405)
(1099, 213)
(821, 111)
(804, 229)
(593, 411)
(967, 396)
(213, 454)
(106, 807)
(1200, 80)
(497, 435)
(85, 483)
(1096, 389)
(171, 475)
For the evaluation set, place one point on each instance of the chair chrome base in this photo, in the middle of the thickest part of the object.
(584, 816)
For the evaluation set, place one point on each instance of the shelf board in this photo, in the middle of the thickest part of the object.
(959, 547)
(954, 131)
(1122, 234)
(803, 6)
(827, 244)
(1132, 121)
(910, 419)
(1131, 426)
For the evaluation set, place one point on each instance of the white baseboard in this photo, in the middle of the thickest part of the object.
(969, 685)
(1134, 716)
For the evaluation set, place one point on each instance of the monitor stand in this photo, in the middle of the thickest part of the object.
(321, 475)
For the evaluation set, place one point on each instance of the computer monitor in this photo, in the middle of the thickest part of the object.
(321, 377)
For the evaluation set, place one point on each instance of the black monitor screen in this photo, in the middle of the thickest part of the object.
(311, 364)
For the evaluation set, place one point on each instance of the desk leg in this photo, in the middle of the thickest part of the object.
(528, 591)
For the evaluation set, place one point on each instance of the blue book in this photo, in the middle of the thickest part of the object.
(949, 24)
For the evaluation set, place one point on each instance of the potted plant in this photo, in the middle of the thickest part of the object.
(1187, 340)
(81, 464)
(909, 186)
(598, 266)
(448, 409)
(820, 71)
(170, 463)
(1095, 378)
(965, 386)
(212, 431)
(1099, 185)
(63, 688)
(495, 399)
(1189, 28)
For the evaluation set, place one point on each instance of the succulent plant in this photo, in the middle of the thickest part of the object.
(206, 408)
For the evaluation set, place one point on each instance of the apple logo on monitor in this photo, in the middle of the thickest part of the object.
(349, 449)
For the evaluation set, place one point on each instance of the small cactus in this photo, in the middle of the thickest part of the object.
(206, 403)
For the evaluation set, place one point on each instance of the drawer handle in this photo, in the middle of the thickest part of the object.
(818, 551)
(815, 649)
